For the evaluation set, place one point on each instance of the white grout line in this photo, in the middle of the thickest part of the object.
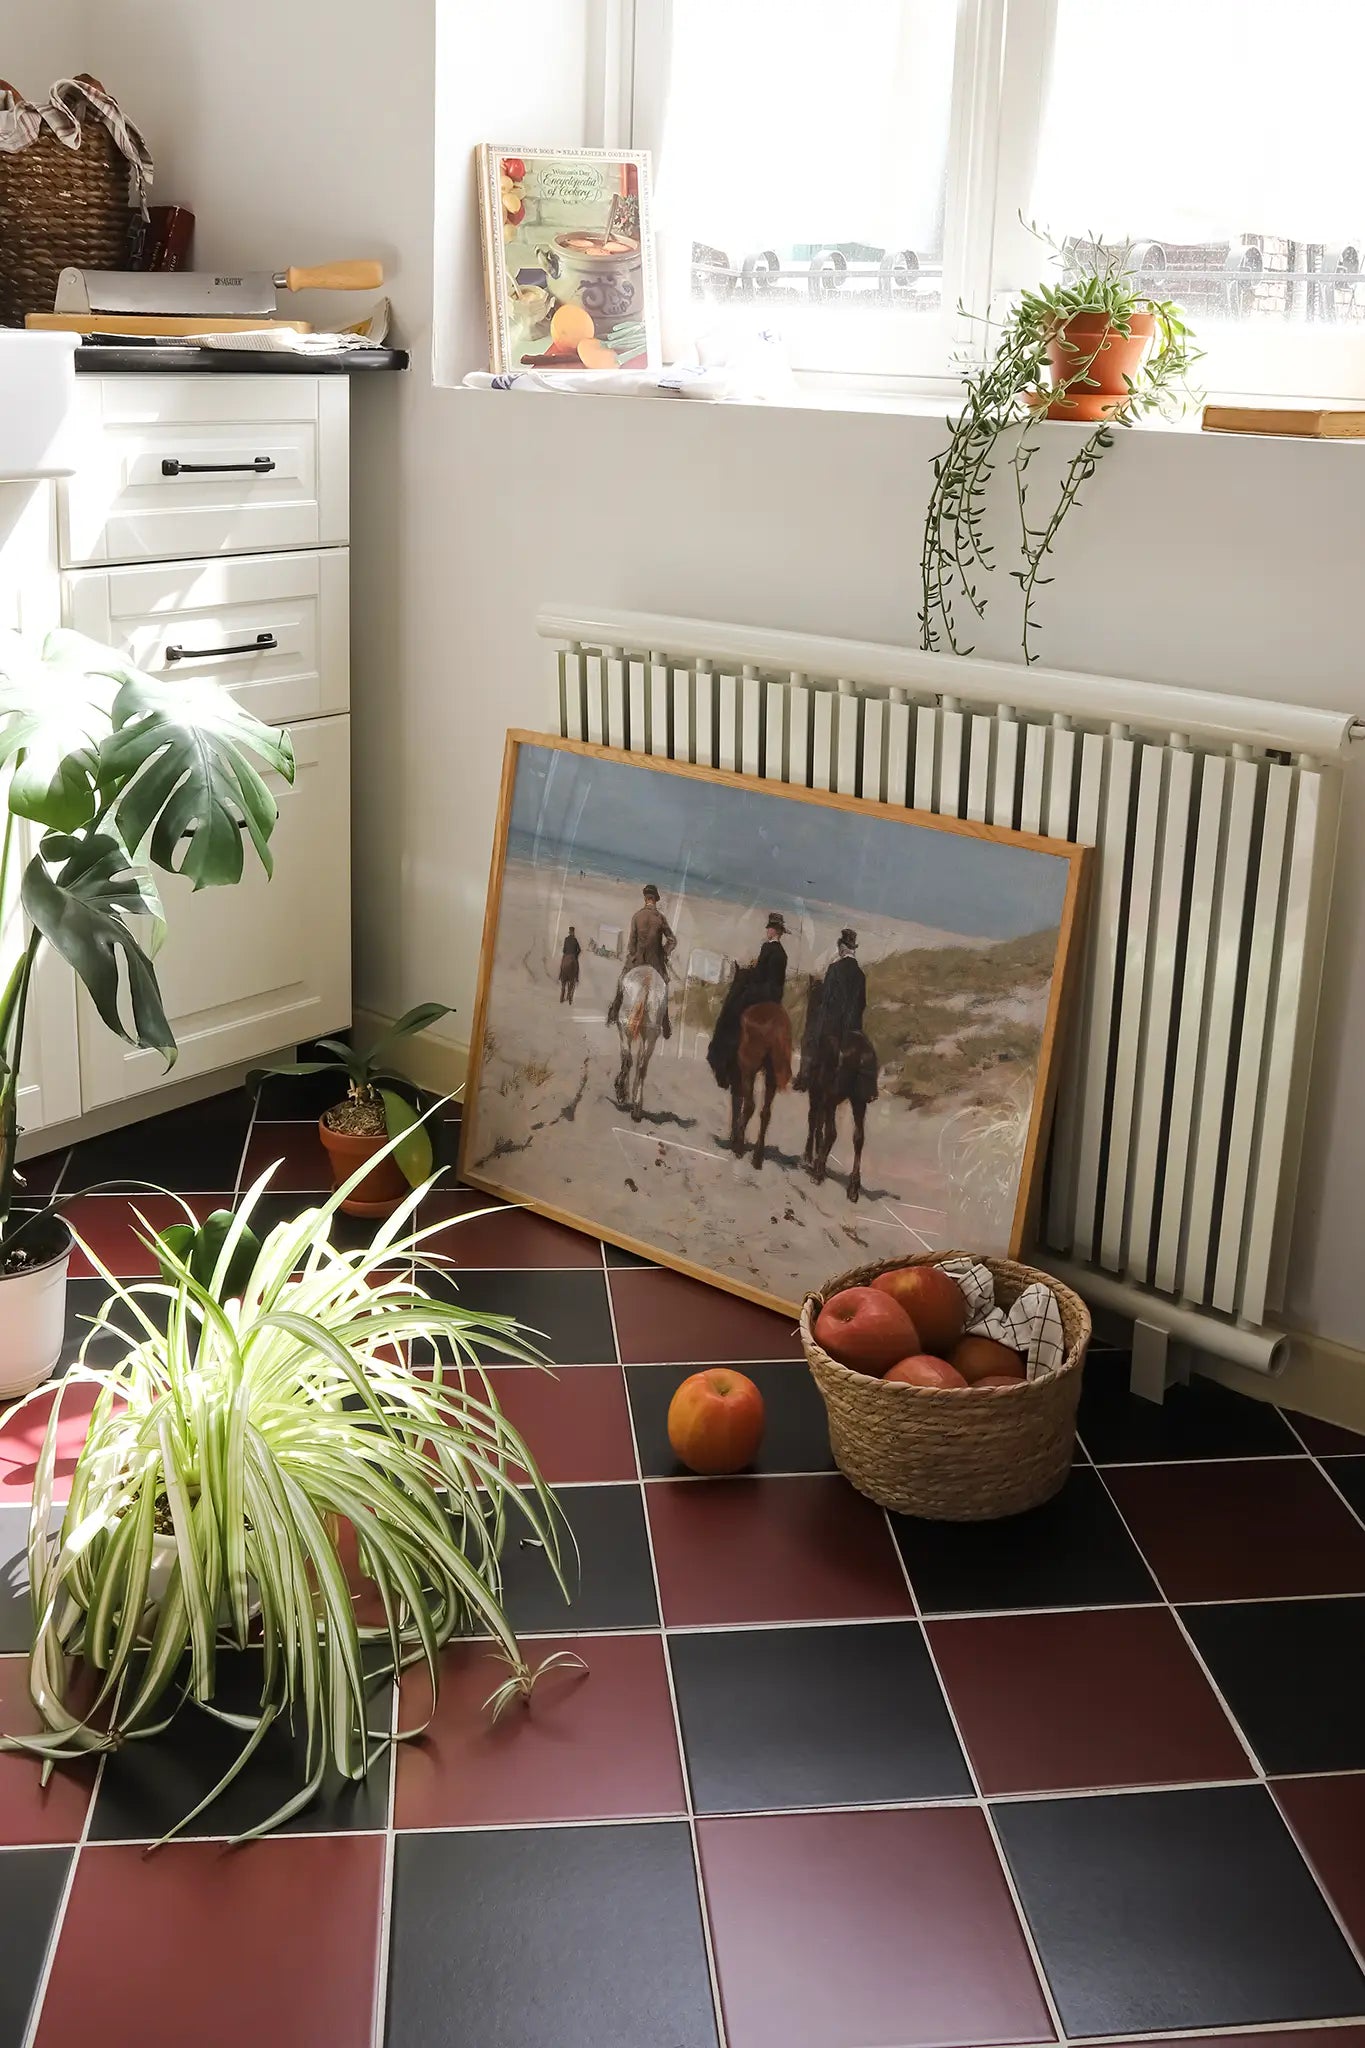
(1007, 1874)
(703, 1906)
(59, 1917)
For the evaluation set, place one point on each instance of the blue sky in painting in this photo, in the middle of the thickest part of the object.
(572, 810)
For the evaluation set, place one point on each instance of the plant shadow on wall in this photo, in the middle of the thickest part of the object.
(1094, 349)
(266, 1422)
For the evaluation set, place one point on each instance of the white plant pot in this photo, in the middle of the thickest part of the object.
(33, 1319)
(159, 1577)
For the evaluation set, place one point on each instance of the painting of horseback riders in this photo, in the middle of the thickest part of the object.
(761, 1033)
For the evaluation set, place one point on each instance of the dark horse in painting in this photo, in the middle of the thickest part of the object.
(752, 1040)
(835, 1069)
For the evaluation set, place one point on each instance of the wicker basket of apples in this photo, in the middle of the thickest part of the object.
(932, 1421)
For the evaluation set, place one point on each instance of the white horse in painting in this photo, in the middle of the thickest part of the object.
(644, 995)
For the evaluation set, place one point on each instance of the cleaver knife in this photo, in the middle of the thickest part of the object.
(231, 295)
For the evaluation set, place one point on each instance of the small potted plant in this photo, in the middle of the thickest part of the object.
(236, 1457)
(1093, 348)
(105, 760)
(375, 1112)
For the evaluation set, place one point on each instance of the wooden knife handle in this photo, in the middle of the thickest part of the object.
(356, 276)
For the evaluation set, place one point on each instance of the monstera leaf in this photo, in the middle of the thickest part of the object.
(83, 909)
(178, 766)
(54, 711)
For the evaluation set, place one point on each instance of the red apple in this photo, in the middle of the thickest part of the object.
(514, 167)
(933, 1301)
(715, 1421)
(924, 1370)
(865, 1330)
(979, 1358)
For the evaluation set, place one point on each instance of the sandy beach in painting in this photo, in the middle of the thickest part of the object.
(956, 1021)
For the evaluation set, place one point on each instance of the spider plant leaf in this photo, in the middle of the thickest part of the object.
(260, 1729)
(83, 911)
(412, 1153)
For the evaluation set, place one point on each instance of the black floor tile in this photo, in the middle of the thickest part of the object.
(148, 1787)
(611, 1582)
(616, 1256)
(346, 1233)
(1349, 1475)
(40, 1176)
(1293, 1673)
(191, 1151)
(1072, 1552)
(849, 1716)
(301, 1097)
(1202, 1420)
(548, 1938)
(84, 1298)
(1176, 1910)
(564, 1314)
(31, 1882)
(16, 1620)
(795, 1431)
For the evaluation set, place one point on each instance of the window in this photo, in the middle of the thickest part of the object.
(848, 174)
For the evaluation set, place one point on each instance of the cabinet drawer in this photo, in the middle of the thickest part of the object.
(272, 629)
(263, 964)
(179, 466)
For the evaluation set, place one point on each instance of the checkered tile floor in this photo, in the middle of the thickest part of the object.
(834, 1780)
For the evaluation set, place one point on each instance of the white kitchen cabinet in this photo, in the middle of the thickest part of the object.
(274, 630)
(248, 969)
(176, 467)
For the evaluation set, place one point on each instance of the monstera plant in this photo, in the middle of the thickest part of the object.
(103, 769)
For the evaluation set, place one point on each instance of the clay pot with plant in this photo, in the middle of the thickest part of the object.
(376, 1111)
(1093, 349)
(99, 765)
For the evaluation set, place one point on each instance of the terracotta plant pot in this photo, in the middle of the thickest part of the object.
(381, 1190)
(1090, 346)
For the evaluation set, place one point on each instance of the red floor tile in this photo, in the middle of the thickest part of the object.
(110, 1226)
(1149, 1717)
(1256, 1529)
(21, 1440)
(31, 1812)
(836, 1929)
(275, 1944)
(807, 1549)
(1328, 1817)
(576, 1427)
(497, 1234)
(599, 1745)
(303, 1167)
(664, 1318)
(1295, 2037)
(1326, 1439)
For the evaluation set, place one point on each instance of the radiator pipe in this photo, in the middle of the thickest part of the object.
(1247, 1344)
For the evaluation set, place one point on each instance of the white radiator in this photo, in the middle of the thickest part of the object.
(1175, 1149)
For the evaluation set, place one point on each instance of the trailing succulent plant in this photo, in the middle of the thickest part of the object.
(1005, 398)
(266, 1422)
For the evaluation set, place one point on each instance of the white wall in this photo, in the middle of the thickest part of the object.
(43, 40)
(304, 130)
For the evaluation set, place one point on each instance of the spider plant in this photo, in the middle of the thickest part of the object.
(1005, 398)
(371, 1086)
(278, 1405)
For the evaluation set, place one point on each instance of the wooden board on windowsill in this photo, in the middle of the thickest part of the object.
(1309, 422)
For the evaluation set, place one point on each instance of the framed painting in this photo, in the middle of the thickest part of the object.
(762, 1033)
(568, 258)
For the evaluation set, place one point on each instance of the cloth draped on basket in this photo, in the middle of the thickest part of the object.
(1031, 1324)
(70, 101)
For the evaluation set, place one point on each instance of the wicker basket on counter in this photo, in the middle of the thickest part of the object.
(947, 1455)
(59, 206)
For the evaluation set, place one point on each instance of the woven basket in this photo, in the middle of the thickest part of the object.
(940, 1453)
(59, 206)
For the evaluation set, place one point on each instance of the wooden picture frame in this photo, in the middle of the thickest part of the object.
(540, 1087)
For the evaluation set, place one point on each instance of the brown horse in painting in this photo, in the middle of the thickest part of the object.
(835, 1070)
(765, 1048)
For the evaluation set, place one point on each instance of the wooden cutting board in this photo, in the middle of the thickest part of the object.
(155, 323)
(1311, 422)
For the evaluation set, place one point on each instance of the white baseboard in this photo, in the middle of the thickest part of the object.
(1322, 1378)
(429, 1061)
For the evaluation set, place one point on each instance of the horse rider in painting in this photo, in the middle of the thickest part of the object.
(762, 981)
(651, 944)
(844, 996)
(568, 967)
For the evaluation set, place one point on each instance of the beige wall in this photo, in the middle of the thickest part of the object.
(305, 130)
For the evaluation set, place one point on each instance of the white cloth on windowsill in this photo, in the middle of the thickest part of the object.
(1032, 1324)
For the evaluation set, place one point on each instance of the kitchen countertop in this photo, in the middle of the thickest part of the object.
(233, 362)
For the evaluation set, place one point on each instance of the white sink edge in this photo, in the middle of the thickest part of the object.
(37, 389)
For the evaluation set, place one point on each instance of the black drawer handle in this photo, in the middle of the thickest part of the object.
(262, 644)
(260, 467)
